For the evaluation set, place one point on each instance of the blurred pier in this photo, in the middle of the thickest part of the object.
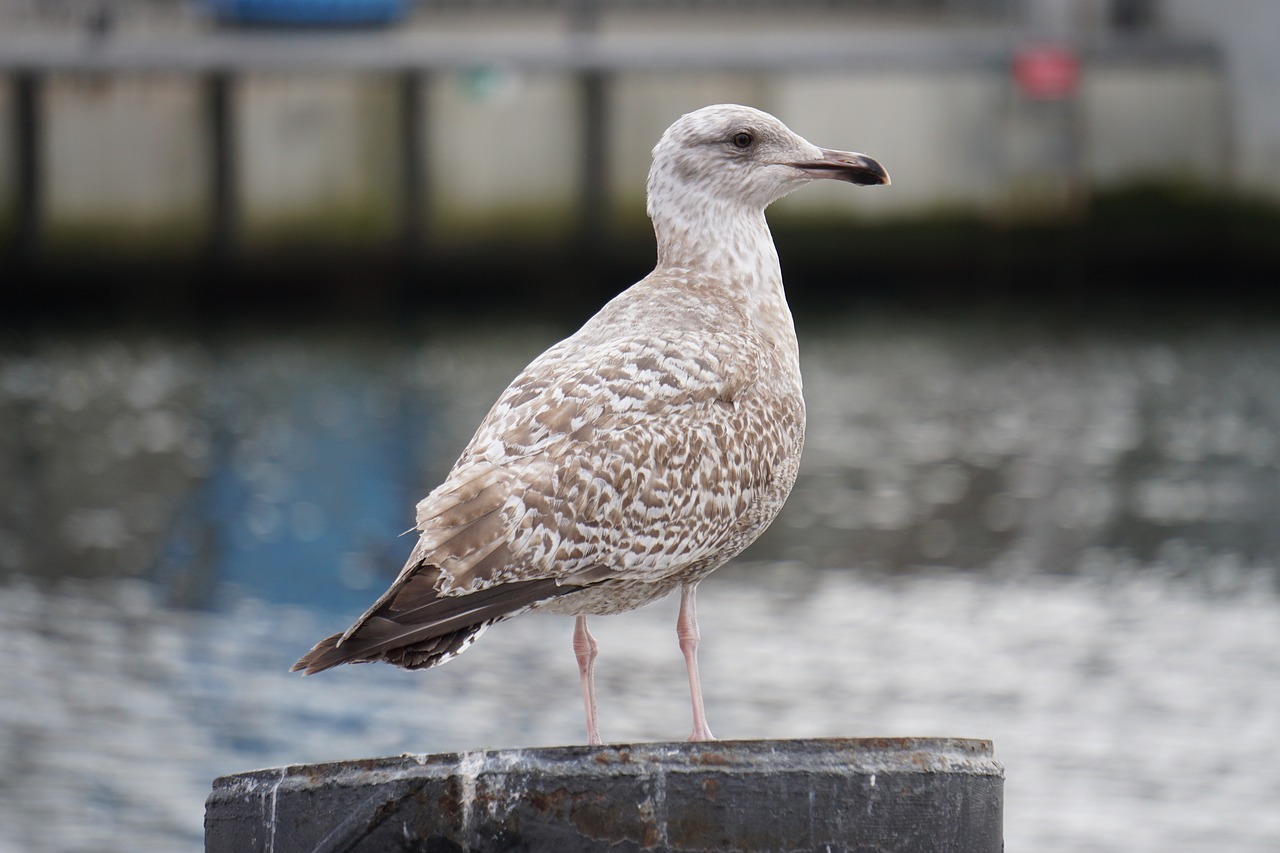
(152, 160)
(599, 95)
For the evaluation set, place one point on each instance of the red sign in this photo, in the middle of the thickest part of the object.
(1046, 72)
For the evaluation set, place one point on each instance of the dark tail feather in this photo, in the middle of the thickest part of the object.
(416, 633)
(422, 655)
(323, 655)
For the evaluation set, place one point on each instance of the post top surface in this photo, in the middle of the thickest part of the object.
(827, 755)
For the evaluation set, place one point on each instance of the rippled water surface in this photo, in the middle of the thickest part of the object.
(1062, 542)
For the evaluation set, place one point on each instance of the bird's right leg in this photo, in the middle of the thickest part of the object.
(687, 632)
(585, 649)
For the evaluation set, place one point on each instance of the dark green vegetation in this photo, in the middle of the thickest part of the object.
(1151, 249)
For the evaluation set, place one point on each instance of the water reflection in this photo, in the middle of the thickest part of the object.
(1091, 455)
(1107, 499)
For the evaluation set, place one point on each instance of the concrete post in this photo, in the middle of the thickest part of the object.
(882, 794)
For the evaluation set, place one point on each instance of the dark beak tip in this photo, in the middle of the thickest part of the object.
(845, 166)
(874, 177)
(867, 171)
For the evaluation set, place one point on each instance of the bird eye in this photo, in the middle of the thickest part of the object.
(742, 139)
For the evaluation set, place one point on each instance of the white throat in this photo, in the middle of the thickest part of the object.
(730, 243)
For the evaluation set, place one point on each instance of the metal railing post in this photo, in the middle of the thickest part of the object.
(414, 190)
(223, 167)
(593, 191)
(29, 133)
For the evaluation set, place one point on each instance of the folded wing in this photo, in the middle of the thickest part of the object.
(614, 469)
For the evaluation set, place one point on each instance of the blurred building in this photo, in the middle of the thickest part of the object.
(107, 134)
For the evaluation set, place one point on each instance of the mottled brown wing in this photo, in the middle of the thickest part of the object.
(627, 459)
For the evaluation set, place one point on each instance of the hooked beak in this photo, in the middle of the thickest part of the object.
(845, 166)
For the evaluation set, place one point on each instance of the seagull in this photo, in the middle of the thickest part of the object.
(644, 451)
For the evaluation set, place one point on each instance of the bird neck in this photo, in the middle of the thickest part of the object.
(705, 231)
(732, 248)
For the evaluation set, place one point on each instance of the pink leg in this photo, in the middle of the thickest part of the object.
(687, 631)
(585, 649)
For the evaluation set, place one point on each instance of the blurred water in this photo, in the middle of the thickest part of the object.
(1063, 542)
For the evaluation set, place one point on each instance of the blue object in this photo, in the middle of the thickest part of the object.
(309, 12)
(313, 472)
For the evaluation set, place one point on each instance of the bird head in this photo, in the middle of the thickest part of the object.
(729, 154)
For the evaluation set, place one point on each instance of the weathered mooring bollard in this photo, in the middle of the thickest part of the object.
(881, 794)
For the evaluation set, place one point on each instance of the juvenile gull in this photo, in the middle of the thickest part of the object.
(638, 455)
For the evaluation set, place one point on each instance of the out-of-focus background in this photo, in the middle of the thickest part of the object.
(264, 264)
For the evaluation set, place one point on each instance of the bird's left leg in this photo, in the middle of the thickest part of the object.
(687, 632)
(585, 649)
